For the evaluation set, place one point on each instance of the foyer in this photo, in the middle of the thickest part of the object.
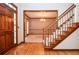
(39, 29)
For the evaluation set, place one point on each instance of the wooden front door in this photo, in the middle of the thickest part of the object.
(6, 28)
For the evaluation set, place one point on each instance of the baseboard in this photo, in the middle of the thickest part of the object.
(65, 49)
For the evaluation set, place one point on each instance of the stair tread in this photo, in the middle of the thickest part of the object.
(56, 42)
(58, 39)
(62, 36)
(65, 32)
(77, 23)
(70, 27)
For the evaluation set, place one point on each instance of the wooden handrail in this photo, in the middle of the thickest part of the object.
(62, 15)
(65, 12)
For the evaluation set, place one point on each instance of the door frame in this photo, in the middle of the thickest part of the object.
(30, 18)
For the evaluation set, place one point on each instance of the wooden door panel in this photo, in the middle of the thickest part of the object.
(2, 22)
(2, 41)
(9, 32)
(6, 28)
(8, 39)
(12, 39)
(2, 10)
(10, 25)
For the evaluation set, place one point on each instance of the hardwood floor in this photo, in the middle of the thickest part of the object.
(34, 39)
(37, 49)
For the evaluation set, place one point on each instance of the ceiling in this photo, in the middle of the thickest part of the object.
(50, 14)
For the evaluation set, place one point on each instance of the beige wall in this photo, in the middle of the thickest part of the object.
(36, 25)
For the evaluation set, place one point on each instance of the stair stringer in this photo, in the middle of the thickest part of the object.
(71, 42)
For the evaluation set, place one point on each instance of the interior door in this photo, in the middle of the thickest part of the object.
(6, 28)
(2, 32)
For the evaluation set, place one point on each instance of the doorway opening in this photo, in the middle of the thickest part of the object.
(34, 22)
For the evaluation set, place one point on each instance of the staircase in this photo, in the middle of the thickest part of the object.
(66, 26)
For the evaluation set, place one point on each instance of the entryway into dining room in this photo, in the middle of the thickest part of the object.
(35, 21)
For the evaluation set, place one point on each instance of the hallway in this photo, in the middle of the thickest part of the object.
(37, 49)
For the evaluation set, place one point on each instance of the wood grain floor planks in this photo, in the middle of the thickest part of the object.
(37, 49)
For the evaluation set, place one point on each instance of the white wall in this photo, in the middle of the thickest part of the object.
(20, 23)
(46, 6)
(61, 7)
(77, 12)
(71, 42)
